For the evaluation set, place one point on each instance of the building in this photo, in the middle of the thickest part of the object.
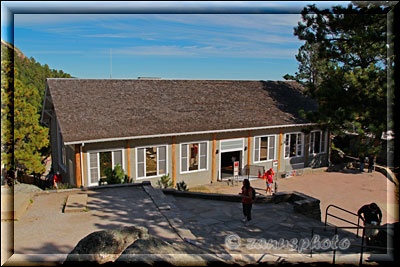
(191, 130)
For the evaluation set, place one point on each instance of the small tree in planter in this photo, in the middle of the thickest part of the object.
(165, 182)
(181, 186)
(116, 175)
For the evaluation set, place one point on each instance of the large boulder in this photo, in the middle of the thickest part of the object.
(153, 251)
(106, 246)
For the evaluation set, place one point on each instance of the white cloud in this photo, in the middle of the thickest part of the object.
(206, 51)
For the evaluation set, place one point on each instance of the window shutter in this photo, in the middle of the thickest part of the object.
(203, 156)
(271, 148)
(287, 147)
(117, 158)
(162, 160)
(184, 158)
(299, 144)
(140, 162)
(94, 170)
(257, 149)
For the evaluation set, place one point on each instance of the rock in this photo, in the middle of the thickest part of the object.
(106, 246)
(152, 251)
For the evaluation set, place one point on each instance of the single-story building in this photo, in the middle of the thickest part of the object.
(191, 130)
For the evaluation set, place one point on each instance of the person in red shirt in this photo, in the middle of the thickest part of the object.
(57, 179)
(270, 180)
(247, 201)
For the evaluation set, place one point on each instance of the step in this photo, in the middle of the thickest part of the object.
(76, 203)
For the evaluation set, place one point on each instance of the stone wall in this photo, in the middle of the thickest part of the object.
(302, 203)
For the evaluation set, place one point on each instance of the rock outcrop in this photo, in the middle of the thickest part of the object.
(107, 245)
(152, 251)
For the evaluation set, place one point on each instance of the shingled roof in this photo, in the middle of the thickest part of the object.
(93, 109)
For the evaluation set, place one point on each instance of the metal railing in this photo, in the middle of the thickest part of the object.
(349, 227)
(352, 213)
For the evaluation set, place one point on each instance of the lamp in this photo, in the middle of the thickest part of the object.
(216, 151)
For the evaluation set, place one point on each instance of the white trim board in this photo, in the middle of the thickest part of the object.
(187, 133)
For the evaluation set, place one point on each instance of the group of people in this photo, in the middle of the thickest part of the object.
(370, 160)
(248, 192)
(269, 177)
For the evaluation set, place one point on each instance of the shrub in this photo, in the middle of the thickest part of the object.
(182, 186)
(116, 175)
(165, 182)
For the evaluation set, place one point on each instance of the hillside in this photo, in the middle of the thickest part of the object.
(26, 145)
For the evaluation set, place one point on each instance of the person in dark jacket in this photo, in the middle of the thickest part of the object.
(371, 215)
(371, 162)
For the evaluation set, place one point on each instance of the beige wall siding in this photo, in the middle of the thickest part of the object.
(204, 176)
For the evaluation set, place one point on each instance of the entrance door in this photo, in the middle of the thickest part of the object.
(231, 150)
(227, 159)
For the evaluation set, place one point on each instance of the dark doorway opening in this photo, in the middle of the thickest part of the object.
(227, 159)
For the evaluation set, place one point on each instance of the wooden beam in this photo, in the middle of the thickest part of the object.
(128, 151)
(213, 157)
(173, 161)
(248, 149)
(280, 149)
(78, 176)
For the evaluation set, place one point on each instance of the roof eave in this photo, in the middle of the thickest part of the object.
(186, 133)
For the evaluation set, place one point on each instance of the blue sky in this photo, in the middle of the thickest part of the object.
(180, 46)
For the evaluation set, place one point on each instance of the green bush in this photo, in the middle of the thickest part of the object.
(116, 175)
(165, 182)
(61, 186)
(182, 186)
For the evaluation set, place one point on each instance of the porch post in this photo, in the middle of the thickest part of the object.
(248, 150)
(213, 158)
(78, 175)
(173, 161)
(128, 151)
(280, 149)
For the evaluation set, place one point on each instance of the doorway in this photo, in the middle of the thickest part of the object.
(227, 159)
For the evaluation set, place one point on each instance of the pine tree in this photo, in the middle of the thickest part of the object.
(29, 135)
(343, 64)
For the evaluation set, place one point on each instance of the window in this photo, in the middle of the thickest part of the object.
(293, 145)
(318, 142)
(99, 161)
(151, 161)
(264, 148)
(194, 156)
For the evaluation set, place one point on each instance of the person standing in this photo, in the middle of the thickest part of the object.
(371, 215)
(247, 201)
(371, 162)
(57, 179)
(362, 162)
(269, 181)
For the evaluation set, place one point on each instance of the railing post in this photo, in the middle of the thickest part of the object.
(326, 216)
(334, 250)
(362, 246)
(312, 236)
(358, 225)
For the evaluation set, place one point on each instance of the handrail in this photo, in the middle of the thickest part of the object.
(350, 227)
(352, 213)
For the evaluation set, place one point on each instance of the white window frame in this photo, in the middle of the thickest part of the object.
(62, 155)
(98, 162)
(259, 148)
(302, 145)
(158, 174)
(187, 163)
(322, 149)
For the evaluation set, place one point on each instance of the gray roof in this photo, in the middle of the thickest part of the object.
(90, 109)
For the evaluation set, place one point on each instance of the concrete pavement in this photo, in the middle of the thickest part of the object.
(44, 233)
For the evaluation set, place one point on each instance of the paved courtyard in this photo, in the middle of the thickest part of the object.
(48, 233)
